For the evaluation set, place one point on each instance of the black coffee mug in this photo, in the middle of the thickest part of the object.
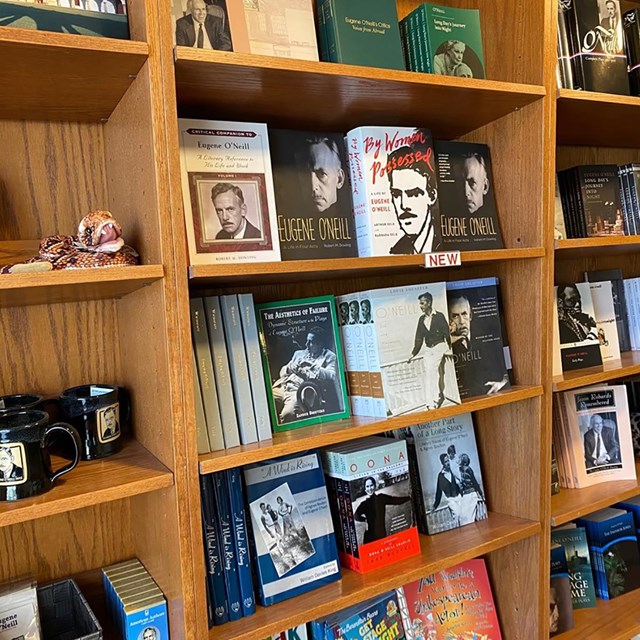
(99, 412)
(25, 463)
(26, 401)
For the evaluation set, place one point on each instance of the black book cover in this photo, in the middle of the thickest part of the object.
(564, 59)
(313, 195)
(597, 47)
(600, 200)
(631, 23)
(468, 215)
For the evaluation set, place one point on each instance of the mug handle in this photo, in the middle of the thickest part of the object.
(75, 436)
(124, 398)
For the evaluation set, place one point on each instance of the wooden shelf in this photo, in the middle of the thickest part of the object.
(357, 427)
(597, 119)
(259, 88)
(575, 503)
(73, 285)
(299, 270)
(437, 552)
(617, 619)
(60, 76)
(583, 247)
(130, 472)
(628, 365)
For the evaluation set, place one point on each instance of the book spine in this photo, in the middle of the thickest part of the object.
(623, 199)
(201, 421)
(584, 225)
(215, 572)
(332, 32)
(362, 362)
(375, 370)
(337, 504)
(564, 199)
(633, 191)
(352, 560)
(621, 315)
(405, 44)
(238, 516)
(425, 46)
(631, 22)
(239, 368)
(564, 56)
(362, 220)
(254, 363)
(222, 372)
(349, 358)
(416, 488)
(227, 546)
(322, 32)
(205, 374)
(574, 45)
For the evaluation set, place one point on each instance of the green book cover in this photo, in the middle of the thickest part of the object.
(366, 33)
(454, 41)
(303, 363)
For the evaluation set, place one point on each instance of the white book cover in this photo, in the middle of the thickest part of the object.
(227, 191)
(395, 194)
(599, 434)
(602, 297)
(414, 347)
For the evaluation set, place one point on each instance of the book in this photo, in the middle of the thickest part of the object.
(416, 363)
(19, 615)
(394, 189)
(476, 337)
(295, 633)
(450, 475)
(104, 18)
(468, 214)
(292, 532)
(599, 200)
(454, 603)
(374, 473)
(605, 316)
(559, 228)
(574, 542)
(201, 421)
(555, 477)
(227, 192)
(564, 54)
(303, 364)
(632, 505)
(313, 196)
(596, 46)
(631, 27)
(578, 332)
(282, 28)
(363, 33)
(560, 603)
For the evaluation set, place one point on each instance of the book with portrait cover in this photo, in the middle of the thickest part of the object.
(476, 337)
(394, 189)
(227, 192)
(302, 360)
(453, 603)
(313, 197)
(292, 531)
(468, 215)
(596, 45)
(375, 477)
(560, 602)
(411, 329)
(574, 541)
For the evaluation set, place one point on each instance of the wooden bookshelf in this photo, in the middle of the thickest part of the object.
(575, 503)
(437, 552)
(585, 247)
(63, 76)
(628, 365)
(322, 435)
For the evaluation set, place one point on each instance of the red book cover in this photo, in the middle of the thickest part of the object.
(453, 604)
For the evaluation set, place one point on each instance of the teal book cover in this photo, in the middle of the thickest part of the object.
(365, 32)
(303, 363)
(574, 541)
(455, 41)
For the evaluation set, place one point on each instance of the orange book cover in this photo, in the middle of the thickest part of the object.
(453, 604)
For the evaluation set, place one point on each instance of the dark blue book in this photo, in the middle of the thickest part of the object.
(632, 505)
(292, 531)
(234, 480)
(213, 562)
(227, 545)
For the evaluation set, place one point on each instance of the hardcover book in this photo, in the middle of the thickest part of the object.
(560, 603)
(227, 191)
(313, 197)
(453, 603)
(476, 337)
(303, 364)
(362, 32)
(395, 194)
(293, 539)
(631, 26)
(468, 215)
(596, 45)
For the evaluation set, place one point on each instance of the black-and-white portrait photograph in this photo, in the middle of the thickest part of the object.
(457, 58)
(343, 313)
(13, 469)
(202, 24)
(282, 529)
(576, 317)
(354, 311)
(108, 420)
(609, 27)
(601, 441)
(149, 633)
(365, 311)
(381, 504)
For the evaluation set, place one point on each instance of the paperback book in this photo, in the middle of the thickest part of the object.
(605, 316)
(560, 604)
(631, 26)
(303, 364)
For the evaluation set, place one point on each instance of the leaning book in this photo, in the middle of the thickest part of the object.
(227, 192)
(292, 531)
(303, 364)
